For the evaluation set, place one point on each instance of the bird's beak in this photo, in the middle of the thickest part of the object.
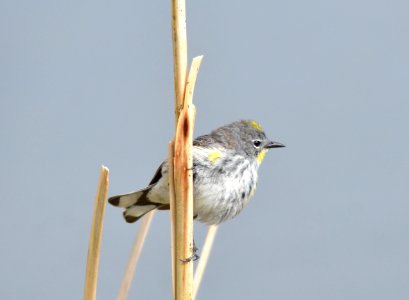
(272, 144)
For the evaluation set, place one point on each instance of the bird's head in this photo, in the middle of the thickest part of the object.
(247, 137)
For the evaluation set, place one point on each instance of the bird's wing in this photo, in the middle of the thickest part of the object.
(204, 140)
(157, 176)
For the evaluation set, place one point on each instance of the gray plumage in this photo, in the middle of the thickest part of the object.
(225, 167)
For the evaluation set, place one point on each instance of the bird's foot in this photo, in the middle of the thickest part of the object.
(194, 255)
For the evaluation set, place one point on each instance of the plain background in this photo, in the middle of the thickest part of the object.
(85, 83)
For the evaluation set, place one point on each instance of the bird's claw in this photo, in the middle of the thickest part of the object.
(194, 255)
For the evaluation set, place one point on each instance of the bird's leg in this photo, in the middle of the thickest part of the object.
(195, 250)
(194, 255)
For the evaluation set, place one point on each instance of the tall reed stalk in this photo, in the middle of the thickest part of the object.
(94, 245)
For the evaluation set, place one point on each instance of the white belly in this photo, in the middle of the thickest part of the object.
(217, 197)
(216, 202)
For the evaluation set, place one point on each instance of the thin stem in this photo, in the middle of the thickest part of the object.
(179, 37)
(172, 202)
(94, 245)
(135, 255)
(207, 248)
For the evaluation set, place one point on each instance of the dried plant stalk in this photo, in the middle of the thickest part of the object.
(179, 37)
(183, 183)
(179, 43)
(181, 186)
(172, 203)
(207, 247)
(135, 255)
(183, 179)
(91, 274)
(191, 81)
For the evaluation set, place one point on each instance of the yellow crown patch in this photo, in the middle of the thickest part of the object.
(256, 125)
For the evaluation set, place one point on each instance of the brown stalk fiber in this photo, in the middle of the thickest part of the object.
(183, 184)
(172, 202)
(91, 274)
(180, 159)
(184, 203)
(182, 206)
(179, 42)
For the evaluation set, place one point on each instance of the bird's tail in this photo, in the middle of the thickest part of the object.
(136, 204)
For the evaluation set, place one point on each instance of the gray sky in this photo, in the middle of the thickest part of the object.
(85, 83)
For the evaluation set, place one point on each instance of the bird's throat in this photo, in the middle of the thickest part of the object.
(261, 155)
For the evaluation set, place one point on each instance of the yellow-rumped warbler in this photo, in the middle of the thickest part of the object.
(225, 165)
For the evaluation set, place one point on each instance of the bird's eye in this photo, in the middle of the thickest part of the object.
(256, 143)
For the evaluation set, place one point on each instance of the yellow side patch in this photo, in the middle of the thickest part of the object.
(214, 156)
(256, 125)
(261, 155)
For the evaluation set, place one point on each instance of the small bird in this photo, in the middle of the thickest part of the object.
(225, 171)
